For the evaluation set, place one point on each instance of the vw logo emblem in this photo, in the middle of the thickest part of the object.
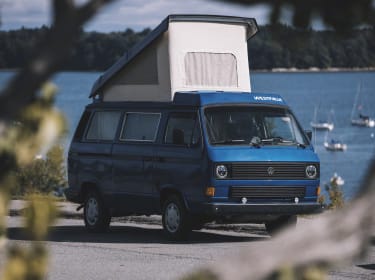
(270, 171)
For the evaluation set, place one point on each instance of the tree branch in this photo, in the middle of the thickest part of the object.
(49, 56)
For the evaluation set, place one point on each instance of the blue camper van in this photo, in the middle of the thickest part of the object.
(174, 129)
(206, 156)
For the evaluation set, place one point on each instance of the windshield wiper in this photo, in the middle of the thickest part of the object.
(228, 141)
(283, 141)
(275, 140)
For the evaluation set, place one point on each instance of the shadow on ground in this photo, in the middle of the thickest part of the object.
(129, 234)
(367, 266)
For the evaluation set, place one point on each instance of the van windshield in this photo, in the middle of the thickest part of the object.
(255, 126)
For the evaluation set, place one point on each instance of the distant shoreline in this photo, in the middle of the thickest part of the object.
(313, 70)
(273, 70)
(66, 70)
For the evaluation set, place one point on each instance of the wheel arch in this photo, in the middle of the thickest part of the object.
(168, 191)
(86, 187)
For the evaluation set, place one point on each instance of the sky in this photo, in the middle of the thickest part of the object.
(122, 14)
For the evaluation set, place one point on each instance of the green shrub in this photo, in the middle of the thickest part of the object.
(335, 193)
(43, 175)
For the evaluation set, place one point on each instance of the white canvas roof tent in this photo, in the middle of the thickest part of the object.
(184, 53)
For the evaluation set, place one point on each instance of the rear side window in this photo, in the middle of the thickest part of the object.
(140, 127)
(182, 129)
(82, 126)
(103, 125)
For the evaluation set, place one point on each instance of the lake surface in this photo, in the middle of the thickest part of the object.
(326, 93)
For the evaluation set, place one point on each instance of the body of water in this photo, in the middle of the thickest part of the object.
(327, 93)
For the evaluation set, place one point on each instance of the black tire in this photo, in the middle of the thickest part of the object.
(175, 218)
(95, 214)
(275, 226)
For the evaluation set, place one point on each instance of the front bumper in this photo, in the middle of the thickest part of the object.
(222, 209)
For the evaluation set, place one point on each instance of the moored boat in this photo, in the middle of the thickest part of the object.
(335, 145)
(322, 125)
(362, 120)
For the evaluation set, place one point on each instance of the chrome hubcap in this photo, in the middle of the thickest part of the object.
(92, 211)
(172, 217)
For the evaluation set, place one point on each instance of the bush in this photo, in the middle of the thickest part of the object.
(335, 193)
(43, 175)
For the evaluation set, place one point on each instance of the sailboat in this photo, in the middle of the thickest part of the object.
(333, 144)
(362, 120)
(321, 125)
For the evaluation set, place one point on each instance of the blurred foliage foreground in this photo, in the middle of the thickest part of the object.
(36, 128)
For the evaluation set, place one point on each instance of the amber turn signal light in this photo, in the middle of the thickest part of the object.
(318, 191)
(210, 191)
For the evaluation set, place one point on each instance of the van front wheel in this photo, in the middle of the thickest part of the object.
(176, 223)
(95, 214)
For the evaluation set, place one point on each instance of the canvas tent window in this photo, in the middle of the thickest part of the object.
(211, 69)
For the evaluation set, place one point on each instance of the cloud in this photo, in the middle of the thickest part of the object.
(122, 14)
(28, 13)
(143, 13)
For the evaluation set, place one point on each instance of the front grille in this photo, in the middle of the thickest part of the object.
(267, 192)
(262, 170)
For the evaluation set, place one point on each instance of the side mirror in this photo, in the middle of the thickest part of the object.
(309, 134)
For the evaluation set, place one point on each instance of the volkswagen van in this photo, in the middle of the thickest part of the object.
(206, 156)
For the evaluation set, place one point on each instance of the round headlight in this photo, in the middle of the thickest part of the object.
(311, 172)
(221, 171)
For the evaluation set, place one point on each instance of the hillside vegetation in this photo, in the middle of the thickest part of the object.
(276, 46)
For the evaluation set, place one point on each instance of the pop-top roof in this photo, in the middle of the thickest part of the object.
(250, 23)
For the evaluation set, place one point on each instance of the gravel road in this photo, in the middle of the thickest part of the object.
(140, 251)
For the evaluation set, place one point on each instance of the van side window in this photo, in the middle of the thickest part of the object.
(81, 126)
(140, 127)
(182, 129)
(103, 125)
